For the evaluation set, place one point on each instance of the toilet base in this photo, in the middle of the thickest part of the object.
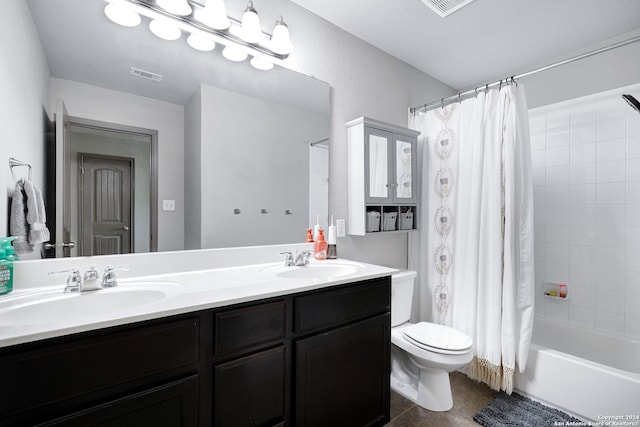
(434, 390)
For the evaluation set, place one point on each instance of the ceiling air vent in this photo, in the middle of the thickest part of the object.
(445, 7)
(145, 74)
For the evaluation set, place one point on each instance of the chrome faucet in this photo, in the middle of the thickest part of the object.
(299, 259)
(288, 258)
(302, 258)
(77, 283)
(109, 276)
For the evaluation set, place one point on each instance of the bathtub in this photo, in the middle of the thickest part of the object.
(588, 374)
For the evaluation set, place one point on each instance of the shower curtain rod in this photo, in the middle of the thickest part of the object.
(458, 97)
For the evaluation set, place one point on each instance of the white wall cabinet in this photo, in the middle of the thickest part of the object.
(382, 177)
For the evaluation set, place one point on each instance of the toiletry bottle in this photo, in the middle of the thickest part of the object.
(320, 246)
(332, 251)
(316, 228)
(6, 273)
(309, 238)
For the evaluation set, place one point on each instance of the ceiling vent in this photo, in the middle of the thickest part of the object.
(445, 7)
(145, 74)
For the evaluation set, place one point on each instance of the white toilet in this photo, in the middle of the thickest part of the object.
(423, 354)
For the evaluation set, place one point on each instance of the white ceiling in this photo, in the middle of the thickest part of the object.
(484, 41)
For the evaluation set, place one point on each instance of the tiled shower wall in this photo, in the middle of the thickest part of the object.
(586, 175)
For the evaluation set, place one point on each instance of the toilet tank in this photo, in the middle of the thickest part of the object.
(401, 296)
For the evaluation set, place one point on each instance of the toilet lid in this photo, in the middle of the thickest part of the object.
(438, 338)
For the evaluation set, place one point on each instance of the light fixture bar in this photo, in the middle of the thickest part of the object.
(227, 37)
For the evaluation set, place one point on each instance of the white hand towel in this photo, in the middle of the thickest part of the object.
(36, 215)
(18, 225)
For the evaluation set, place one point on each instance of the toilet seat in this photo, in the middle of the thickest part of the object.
(438, 338)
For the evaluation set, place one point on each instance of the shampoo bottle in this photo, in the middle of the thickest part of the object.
(320, 246)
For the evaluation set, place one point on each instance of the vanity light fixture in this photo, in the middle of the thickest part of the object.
(250, 30)
(164, 29)
(234, 54)
(176, 7)
(201, 43)
(121, 14)
(208, 25)
(261, 63)
(214, 15)
(280, 41)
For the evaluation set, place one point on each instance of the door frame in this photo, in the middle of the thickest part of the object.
(153, 167)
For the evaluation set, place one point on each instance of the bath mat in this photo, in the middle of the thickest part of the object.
(517, 410)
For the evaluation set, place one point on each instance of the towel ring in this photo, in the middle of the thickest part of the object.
(15, 162)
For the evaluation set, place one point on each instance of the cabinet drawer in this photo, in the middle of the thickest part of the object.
(173, 404)
(342, 305)
(90, 366)
(250, 391)
(242, 328)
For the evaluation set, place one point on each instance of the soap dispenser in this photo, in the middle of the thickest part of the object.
(320, 246)
(332, 251)
(6, 273)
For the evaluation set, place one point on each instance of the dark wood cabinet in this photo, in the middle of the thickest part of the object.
(318, 358)
(250, 391)
(169, 405)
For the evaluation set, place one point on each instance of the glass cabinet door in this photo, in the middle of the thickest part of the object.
(377, 166)
(405, 167)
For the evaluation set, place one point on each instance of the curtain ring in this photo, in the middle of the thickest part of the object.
(486, 89)
(500, 87)
(459, 98)
(476, 91)
(441, 102)
(514, 81)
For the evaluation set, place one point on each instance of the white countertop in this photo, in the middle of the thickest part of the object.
(182, 292)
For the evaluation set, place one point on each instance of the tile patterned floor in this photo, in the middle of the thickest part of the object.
(468, 398)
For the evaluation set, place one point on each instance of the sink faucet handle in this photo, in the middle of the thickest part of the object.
(109, 276)
(288, 260)
(74, 281)
(91, 274)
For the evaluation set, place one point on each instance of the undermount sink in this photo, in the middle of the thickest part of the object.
(51, 307)
(316, 270)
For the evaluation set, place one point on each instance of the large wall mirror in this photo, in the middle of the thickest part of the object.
(215, 154)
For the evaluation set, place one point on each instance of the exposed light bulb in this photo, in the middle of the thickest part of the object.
(234, 54)
(280, 41)
(261, 63)
(122, 14)
(250, 30)
(175, 7)
(215, 15)
(201, 43)
(164, 29)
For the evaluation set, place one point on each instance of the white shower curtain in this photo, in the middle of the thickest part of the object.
(474, 253)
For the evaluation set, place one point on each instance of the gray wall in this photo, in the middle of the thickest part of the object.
(24, 87)
(192, 174)
(602, 72)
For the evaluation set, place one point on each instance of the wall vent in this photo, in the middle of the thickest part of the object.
(145, 74)
(446, 7)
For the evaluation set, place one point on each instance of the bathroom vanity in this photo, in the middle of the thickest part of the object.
(317, 354)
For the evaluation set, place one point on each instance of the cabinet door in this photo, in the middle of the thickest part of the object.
(377, 166)
(404, 182)
(342, 376)
(250, 392)
(169, 405)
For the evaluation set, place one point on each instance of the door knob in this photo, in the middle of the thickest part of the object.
(125, 227)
